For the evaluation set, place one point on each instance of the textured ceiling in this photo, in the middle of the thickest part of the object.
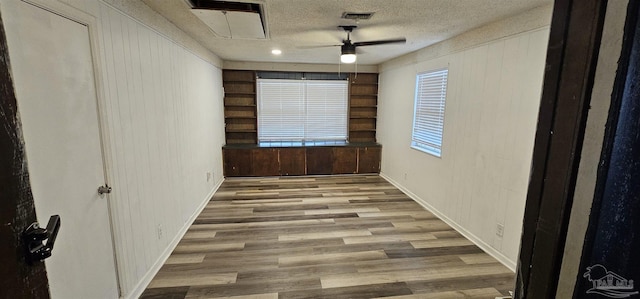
(296, 24)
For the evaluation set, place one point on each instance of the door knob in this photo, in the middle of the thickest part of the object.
(104, 189)
(34, 235)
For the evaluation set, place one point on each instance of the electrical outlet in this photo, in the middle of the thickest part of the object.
(209, 175)
(159, 231)
(405, 176)
(499, 230)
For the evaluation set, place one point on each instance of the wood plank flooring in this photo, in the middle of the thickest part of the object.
(324, 237)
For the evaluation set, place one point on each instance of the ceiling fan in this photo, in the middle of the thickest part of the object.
(348, 48)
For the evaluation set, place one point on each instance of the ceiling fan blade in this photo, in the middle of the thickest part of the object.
(317, 47)
(381, 42)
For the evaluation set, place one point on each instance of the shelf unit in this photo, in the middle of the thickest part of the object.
(240, 109)
(240, 106)
(363, 107)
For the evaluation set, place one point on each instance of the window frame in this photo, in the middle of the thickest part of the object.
(305, 110)
(422, 145)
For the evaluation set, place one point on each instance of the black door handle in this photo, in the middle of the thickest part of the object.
(34, 236)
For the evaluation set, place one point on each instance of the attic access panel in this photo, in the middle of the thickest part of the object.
(234, 20)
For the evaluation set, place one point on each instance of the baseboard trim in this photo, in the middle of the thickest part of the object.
(473, 238)
(146, 279)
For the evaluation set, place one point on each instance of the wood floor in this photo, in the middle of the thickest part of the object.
(324, 237)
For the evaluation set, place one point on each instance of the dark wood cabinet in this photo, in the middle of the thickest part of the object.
(237, 162)
(292, 161)
(345, 160)
(274, 161)
(264, 162)
(319, 160)
(369, 159)
(242, 156)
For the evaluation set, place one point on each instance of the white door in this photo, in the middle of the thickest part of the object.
(51, 63)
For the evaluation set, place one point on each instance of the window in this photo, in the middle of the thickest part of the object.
(302, 110)
(428, 117)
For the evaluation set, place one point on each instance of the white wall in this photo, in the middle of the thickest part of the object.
(163, 128)
(165, 131)
(491, 111)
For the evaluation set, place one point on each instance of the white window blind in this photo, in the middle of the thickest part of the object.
(428, 118)
(302, 110)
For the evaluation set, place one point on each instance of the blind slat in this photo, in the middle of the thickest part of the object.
(428, 118)
(295, 110)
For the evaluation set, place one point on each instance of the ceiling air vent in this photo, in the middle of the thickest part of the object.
(357, 15)
(234, 20)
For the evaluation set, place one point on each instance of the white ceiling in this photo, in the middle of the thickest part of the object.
(295, 24)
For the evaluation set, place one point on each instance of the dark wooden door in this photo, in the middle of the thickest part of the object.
(292, 161)
(345, 160)
(369, 159)
(264, 162)
(319, 160)
(17, 211)
(237, 162)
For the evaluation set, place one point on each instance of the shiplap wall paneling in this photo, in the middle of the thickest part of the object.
(164, 116)
(491, 110)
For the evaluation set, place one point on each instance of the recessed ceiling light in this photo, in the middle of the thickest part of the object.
(276, 52)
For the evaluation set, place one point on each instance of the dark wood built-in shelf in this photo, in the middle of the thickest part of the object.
(363, 106)
(240, 106)
(241, 131)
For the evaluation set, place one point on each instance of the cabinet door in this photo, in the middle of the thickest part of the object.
(319, 160)
(264, 162)
(292, 161)
(237, 162)
(369, 159)
(345, 160)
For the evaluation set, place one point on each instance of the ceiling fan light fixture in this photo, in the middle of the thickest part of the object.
(348, 53)
(348, 58)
